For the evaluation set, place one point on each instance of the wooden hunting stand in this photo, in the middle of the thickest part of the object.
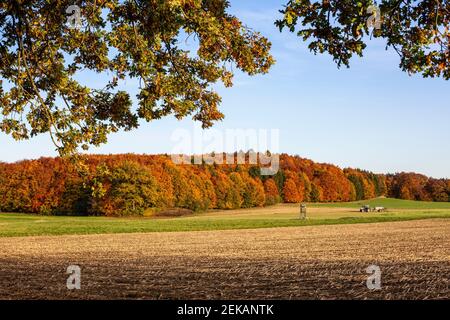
(303, 211)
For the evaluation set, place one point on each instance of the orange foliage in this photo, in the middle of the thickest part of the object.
(272, 193)
(129, 184)
(290, 192)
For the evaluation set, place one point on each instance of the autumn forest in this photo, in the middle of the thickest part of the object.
(123, 185)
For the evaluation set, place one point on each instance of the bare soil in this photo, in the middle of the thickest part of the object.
(320, 262)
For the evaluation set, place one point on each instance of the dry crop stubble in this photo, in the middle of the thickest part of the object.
(317, 262)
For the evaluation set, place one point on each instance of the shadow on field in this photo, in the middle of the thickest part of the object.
(180, 277)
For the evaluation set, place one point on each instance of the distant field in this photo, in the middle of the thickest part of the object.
(388, 203)
(284, 215)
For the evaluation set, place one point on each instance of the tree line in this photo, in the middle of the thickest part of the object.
(129, 184)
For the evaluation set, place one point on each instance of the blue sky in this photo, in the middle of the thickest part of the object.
(371, 116)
